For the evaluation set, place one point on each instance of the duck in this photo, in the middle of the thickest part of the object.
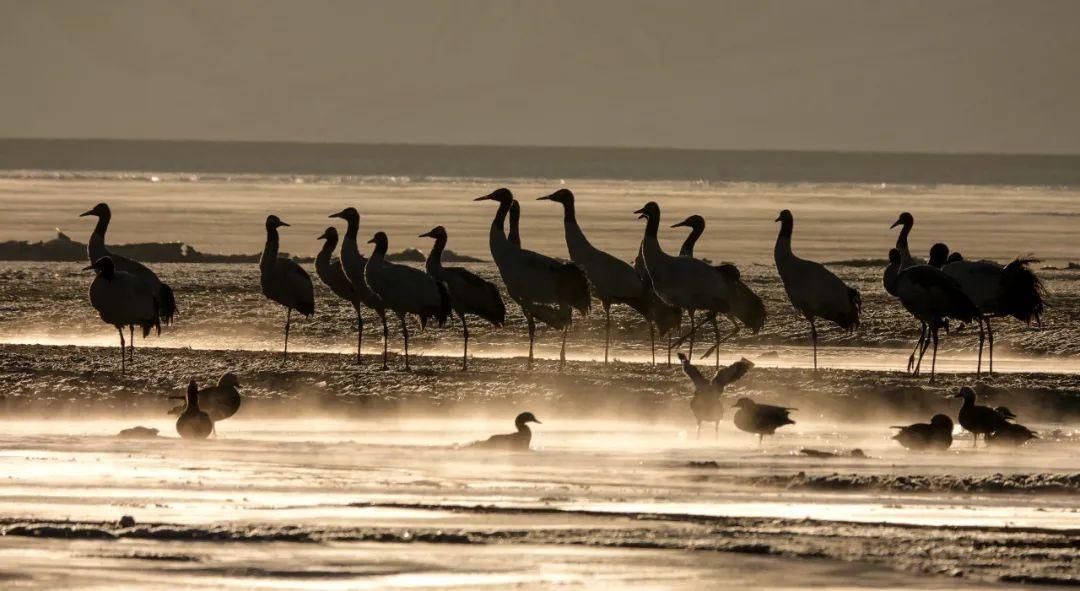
(218, 402)
(193, 423)
(517, 441)
(935, 435)
(976, 418)
(762, 419)
(706, 404)
(1011, 434)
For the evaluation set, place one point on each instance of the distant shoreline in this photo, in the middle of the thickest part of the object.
(494, 162)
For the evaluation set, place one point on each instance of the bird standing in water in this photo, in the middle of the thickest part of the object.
(517, 441)
(284, 281)
(976, 418)
(935, 435)
(218, 402)
(762, 419)
(122, 299)
(193, 423)
(706, 404)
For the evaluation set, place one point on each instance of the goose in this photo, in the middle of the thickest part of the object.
(1011, 434)
(193, 423)
(353, 264)
(812, 289)
(612, 279)
(544, 288)
(976, 418)
(469, 293)
(997, 291)
(329, 270)
(706, 404)
(935, 435)
(517, 441)
(218, 402)
(122, 300)
(284, 281)
(762, 419)
(746, 306)
(930, 296)
(687, 283)
(405, 290)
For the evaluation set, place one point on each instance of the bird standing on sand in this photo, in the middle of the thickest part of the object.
(218, 402)
(997, 291)
(976, 418)
(612, 279)
(354, 264)
(405, 290)
(95, 249)
(762, 419)
(935, 435)
(193, 423)
(706, 404)
(284, 281)
(123, 300)
(329, 270)
(517, 441)
(469, 293)
(813, 290)
(544, 288)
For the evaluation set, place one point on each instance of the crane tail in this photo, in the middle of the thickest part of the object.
(1021, 292)
(748, 307)
(166, 304)
(574, 288)
(443, 312)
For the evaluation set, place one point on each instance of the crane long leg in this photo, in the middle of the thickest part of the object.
(607, 330)
(359, 335)
(982, 339)
(689, 335)
(813, 340)
(693, 329)
(716, 346)
(669, 348)
(405, 335)
(385, 340)
(131, 343)
(933, 362)
(122, 361)
(562, 350)
(716, 337)
(288, 320)
(911, 359)
(652, 341)
(922, 350)
(465, 355)
(532, 336)
(990, 337)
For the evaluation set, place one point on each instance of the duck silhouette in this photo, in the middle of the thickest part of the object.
(517, 441)
(762, 419)
(1011, 434)
(193, 423)
(976, 418)
(706, 404)
(218, 402)
(935, 435)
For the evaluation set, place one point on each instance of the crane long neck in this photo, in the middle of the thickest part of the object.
(783, 239)
(902, 245)
(434, 260)
(270, 251)
(102, 225)
(326, 251)
(498, 223)
(687, 249)
(652, 227)
(569, 216)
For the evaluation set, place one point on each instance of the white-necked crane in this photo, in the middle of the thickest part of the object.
(353, 264)
(997, 291)
(405, 290)
(284, 281)
(663, 317)
(813, 290)
(540, 284)
(330, 272)
(123, 300)
(613, 280)
(469, 293)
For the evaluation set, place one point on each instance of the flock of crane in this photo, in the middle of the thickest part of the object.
(658, 285)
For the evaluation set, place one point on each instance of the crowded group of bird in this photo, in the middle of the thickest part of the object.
(663, 288)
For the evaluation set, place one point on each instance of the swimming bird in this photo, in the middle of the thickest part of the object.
(193, 423)
(612, 279)
(123, 300)
(218, 402)
(706, 404)
(284, 281)
(931, 296)
(405, 290)
(517, 441)
(329, 270)
(95, 249)
(543, 287)
(1012, 434)
(762, 419)
(469, 293)
(812, 289)
(746, 307)
(935, 435)
(997, 291)
(354, 264)
(687, 283)
(976, 418)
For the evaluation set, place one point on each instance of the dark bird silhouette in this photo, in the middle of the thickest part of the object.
(976, 418)
(997, 291)
(545, 288)
(405, 290)
(1011, 434)
(746, 307)
(613, 280)
(935, 435)
(932, 297)
(123, 300)
(218, 402)
(469, 293)
(330, 272)
(284, 281)
(906, 221)
(762, 419)
(193, 423)
(813, 290)
(1005, 412)
(663, 318)
(354, 265)
(163, 295)
(706, 404)
(517, 441)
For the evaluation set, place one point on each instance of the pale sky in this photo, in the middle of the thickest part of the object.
(940, 76)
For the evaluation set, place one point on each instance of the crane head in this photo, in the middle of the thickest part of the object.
(785, 216)
(379, 240)
(347, 214)
(650, 211)
(274, 222)
(438, 232)
(563, 196)
(99, 210)
(939, 255)
(329, 234)
(694, 222)
(906, 220)
(502, 195)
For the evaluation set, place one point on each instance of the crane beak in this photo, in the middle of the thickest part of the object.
(641, 213)
(281, 223)
(537, 421)
(427, 234)
(372, 241)
(680, 224)
(322, 236)
(777, 219)
(340, 214)
(484, 198)
(86, 213)
(546, 198)
(895, 224)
